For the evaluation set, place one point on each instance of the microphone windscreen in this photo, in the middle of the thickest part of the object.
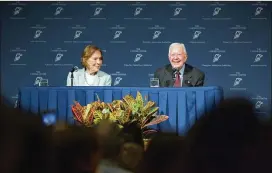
(75, 68)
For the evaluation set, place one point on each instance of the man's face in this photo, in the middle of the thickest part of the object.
(177, 57)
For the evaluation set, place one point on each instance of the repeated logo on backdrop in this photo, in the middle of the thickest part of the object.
(197, 32)
(18, 11)
(259, 12)
(138, 11)
(155, 34)
(38, 77)
(259, 55)
(238, 81)
(228, 47)
(118, 32)
(77, 35)
(137, 59)
(260, 103)
(98, 11)
(117, 78)
(217, 59)
(38, 34)
(217, 11)
(15, 100)
(58, 58)
(236, 35)
(58, 11)
(177, 10)
(18, 57)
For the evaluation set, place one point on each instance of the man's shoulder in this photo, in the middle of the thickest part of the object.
(194, 69)
(162, 69)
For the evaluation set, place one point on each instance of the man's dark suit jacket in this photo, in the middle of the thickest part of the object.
(192, 76)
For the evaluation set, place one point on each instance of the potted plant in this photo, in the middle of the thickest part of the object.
(127, 110)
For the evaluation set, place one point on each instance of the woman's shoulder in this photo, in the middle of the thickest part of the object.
(102, 73)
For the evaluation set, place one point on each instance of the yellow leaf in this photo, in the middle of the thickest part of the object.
(139, 99)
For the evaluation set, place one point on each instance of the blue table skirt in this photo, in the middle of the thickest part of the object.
(183, 105)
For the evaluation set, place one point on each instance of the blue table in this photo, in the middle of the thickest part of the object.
(183, 105)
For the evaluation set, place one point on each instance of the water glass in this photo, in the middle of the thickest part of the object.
(154, 82)
(43, 82)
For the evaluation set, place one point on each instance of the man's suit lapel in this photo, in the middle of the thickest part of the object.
(168, 78)
(187, 76)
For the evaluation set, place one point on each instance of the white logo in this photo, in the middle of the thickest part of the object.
(237, 34)
(117, 34)
(177, 11)
(196, 34)
(76, 68)
(17, 10)
(258, 104)
(97, 11)
(237, 81)
(138, 57)
(58, 57)
(117, 81)
(58, 10)
(258, 11)
(77, 34)
(216, 57)
(16, 103)
(40, 81)
(137, 11)
(17, 57)
(37, 34)
(216, 11)
(258, 57)
(156, 34)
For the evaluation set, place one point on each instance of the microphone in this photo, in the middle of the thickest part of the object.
(175, 71)
(74, 69)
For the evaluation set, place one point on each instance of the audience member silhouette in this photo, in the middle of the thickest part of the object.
(229, 138)
(219, 141)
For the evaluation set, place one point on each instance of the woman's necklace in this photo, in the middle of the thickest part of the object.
(86, 79)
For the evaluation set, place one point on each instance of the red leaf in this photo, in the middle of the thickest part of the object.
(91, 116)
(157, 120)
(149, 131)
(77, 114)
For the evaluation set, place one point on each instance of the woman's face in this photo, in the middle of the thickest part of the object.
(94, 62)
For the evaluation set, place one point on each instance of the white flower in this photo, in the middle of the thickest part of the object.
(104, 111)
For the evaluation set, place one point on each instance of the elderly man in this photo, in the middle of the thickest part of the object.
(178, 73)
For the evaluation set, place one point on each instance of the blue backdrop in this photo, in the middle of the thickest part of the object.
(229, 41)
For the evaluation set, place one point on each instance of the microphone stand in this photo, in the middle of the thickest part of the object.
(72, 78)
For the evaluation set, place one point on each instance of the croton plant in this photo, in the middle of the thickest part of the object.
(124, 111)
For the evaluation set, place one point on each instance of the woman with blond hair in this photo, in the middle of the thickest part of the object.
(90, 74)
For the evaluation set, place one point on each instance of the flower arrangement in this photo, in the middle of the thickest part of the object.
(127, 110)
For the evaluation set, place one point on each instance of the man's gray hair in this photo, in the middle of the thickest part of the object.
(177, 45)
